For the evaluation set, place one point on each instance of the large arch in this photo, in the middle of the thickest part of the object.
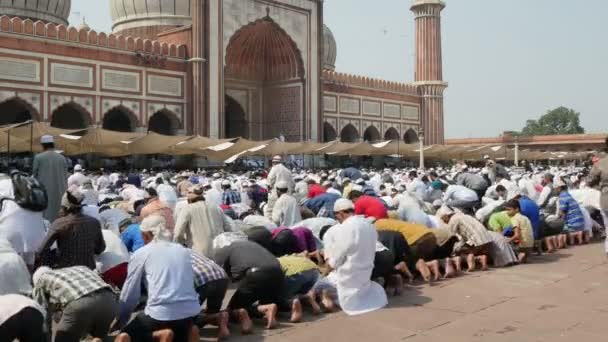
(16, 110)
(120, 119)
(410, 136)
(371, 134)
(70, 116)
(236, 120)
(164, 122)
(391, 134)
(262, 58)
(349, 134)
(329, 132)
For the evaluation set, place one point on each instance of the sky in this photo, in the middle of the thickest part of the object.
(505, 61)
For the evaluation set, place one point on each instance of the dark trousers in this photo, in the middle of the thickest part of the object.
(383, 264)
(213, 293)
(142, 327)
(25, 326)
(396, 243)
(262, 285)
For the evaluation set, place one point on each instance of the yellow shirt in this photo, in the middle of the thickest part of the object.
(411, 232)
(527, 234)
(293, 264)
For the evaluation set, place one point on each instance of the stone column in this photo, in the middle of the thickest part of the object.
(198, 67)
(429, 68)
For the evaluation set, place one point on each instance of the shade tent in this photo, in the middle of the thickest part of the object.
(196, 145)
(217, 153)
(154, 143)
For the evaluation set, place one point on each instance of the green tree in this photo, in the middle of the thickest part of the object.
(560, 120)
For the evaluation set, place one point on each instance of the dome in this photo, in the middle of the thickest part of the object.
(128, 15)
(330, 49)
(54, 11)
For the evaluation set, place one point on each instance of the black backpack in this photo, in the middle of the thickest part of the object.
(29, 193)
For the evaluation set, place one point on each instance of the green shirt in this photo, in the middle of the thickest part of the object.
(499, 221)
(293, 264)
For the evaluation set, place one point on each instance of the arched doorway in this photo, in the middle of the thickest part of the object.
(371, 134)
(410, 136)
(70, 116)
(262, 58)
(329, 133)
(16, 110)
(349, 134)
(163, 122)
(119, 119)
(236, 121)
(391, 134)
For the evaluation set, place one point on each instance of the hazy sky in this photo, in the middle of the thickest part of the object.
(505, 61)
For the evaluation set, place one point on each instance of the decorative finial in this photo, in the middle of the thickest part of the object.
(267, 12)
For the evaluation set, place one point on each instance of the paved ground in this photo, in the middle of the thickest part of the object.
(559, 297)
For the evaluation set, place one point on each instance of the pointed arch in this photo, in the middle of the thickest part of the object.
(391, 134)
(15, 110)
(371, 134)
(120, 119)
(410, 136)
(71, 115)
(164, 122)
(236, 119)
(329, 132)
(349, 134)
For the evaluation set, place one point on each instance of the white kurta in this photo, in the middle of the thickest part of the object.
(350, 249)
(286, 211)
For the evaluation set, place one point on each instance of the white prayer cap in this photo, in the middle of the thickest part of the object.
(216, 175)
(47, 139)
(282, 185)
(486, 157)
(437, 203)
(276, 159)
(77, 168)
(225, 182)
(331, 177)
(326, 183)
(485, 171)
(39, 273)
(343, 204)
(463, 167)
(360, 181)
(297, 177)
(358, 188)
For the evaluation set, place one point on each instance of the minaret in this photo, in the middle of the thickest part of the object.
(429, 69)
(197, 68)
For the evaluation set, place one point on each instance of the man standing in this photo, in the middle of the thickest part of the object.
(51, 170)
(350, 249)
(286, 211)
(599, 177)
(277, 173)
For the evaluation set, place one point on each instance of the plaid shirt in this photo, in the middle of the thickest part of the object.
(62, 286)
(231, 197)
(205, 270)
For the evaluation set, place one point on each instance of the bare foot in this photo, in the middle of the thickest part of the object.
(424, 270)
(222, 321)
(398, 281)
(471, 263)
(434, 266)
(312, 299)
(327, 302)
(245, 321)
(458, 263)
(296, 311)
(450, 271)
(483, 260)
(270, 312)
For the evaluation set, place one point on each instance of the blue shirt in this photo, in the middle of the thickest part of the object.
(231, 197)
(530, 209)
(131, 237)
(165, 268)
(573, 215)
(326, 201)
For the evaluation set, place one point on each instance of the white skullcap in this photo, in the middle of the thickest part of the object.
(47, 139)
(463, 167)
(437, 203)
(282, 185)
(326, 183)
(39, 273)
(360, 181)
(343, 204)
(78, 167)
(486, 157)
(276, 159)
(156, 225)
(358, 188)
(485, 171)
(225, 182)
(216, 175)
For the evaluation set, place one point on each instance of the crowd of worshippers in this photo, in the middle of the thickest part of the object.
(143, 257)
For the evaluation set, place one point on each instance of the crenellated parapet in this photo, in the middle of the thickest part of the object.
(350, 80)
(51, 31)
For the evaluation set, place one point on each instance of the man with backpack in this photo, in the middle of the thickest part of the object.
(51, 170)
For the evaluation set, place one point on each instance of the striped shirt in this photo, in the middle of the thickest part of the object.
(65, 285)
(205, 270)
(472, 231)
(573, 215)
(231, 197)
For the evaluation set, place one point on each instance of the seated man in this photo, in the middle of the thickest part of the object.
(422, 242)
(350, 250)
(87, 304)
(165, 269)
(570, 211)
(260, 279)
(499, 222)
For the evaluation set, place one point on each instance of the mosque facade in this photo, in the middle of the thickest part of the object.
(257, 69)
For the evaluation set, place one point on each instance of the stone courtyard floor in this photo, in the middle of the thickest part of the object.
(558, 297)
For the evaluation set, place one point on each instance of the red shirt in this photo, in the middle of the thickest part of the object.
(315, 190)
(370, 206)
